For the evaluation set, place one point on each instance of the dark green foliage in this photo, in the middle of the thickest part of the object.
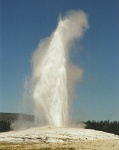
(7, 118)
(106, 126)
(15, 116)
(5, 126)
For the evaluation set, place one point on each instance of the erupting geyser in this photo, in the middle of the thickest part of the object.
(51, 71)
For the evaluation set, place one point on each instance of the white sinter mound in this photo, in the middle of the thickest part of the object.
(54, 134)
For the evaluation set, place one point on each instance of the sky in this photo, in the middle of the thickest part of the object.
(23, 23)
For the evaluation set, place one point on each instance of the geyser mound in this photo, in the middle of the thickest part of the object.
(59, 138)
(43, 134)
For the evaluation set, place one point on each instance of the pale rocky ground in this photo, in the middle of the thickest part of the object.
(71, 137)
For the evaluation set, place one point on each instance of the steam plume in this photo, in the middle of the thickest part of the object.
(50, 89)
(52, 75)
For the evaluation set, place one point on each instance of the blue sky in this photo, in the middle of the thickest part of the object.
(24, 23)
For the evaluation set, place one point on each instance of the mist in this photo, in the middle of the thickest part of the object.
(51, 85)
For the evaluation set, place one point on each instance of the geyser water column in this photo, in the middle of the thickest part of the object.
(49, 70)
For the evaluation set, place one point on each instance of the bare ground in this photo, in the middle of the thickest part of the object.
(77, 145)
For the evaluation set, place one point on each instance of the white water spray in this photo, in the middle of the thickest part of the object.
(51, 75)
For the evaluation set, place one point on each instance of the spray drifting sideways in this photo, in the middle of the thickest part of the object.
(52, 75)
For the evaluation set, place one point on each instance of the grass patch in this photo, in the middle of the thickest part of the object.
(33, 146)
(79, 145)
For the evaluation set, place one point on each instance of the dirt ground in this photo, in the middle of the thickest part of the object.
(77, 145)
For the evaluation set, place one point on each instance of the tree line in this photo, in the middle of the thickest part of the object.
(5, 126)
(106, 126)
